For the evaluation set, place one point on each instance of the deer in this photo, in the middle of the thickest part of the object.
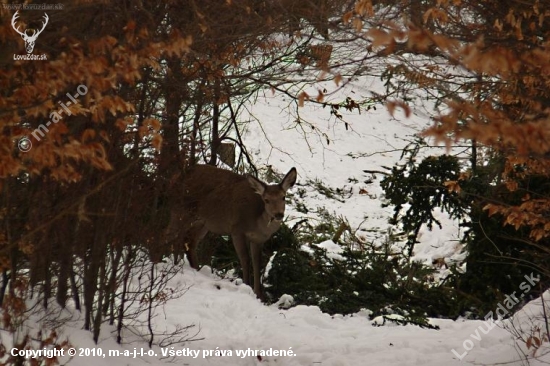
(29, 39)
(226, 203)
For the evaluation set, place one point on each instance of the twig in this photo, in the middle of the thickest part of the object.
(376, 172)
(544, 312)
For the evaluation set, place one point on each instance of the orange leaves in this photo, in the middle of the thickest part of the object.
(129, 30)
(92, 153)
(321, 53)
(452, 186)
(9, 165)
(492, 209)
(527, 138)
(151, 129)
(302, 97)
(489, 73)
(320, 96)
(346, 18)
(364, 8)
(41, 110)
(392, 105)
(99, 66)
(495, 61)
(156, 141)
(123, 123)
(419, 40)
(111, 104)
(25, 92)
(491, 126)
(97, 156)
(437, 14)
(380, 38)
(536, 340)
(445, 3)
(88, 134)
(357, 24)
(178, 46)
(532, 213)
(103, 45)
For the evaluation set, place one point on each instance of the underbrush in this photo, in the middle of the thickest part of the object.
(353, 276)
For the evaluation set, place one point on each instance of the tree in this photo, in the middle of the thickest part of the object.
(482, 67)
(86, 187)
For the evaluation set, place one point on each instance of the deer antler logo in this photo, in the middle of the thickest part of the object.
(29, 39)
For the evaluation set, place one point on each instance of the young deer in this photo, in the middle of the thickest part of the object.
(227, 203)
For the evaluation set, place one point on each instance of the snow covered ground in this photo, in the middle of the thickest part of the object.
(232, 327)
(371, 141)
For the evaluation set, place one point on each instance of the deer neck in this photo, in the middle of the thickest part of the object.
(267, 223)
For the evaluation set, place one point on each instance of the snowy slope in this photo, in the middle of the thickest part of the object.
(373, 140)
(227, 317)
(232, 320)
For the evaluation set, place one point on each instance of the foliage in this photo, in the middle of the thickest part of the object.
(499, 255)
(488, 73)
(166, 83)
(440, 182)
(418, 188)
(481, 70)
(16, 313)
(84, 206)
(377, 278)
(219, 253)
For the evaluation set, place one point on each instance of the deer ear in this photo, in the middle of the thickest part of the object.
(289, 179)
(256, 185)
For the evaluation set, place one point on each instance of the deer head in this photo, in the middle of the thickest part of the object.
(274, 195)
(29, 39)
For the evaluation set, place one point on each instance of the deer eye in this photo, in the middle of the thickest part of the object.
(266, 200)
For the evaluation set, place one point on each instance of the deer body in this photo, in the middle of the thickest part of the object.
(225, 203)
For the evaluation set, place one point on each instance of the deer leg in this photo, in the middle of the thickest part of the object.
(197, 233)
(171, 234)
(256, 252)
(239, 242)
(176, 234)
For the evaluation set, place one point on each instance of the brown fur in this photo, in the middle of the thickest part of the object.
(227, 203)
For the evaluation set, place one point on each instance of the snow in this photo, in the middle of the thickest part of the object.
(230, 318)
(372, 141)
(227, 316)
